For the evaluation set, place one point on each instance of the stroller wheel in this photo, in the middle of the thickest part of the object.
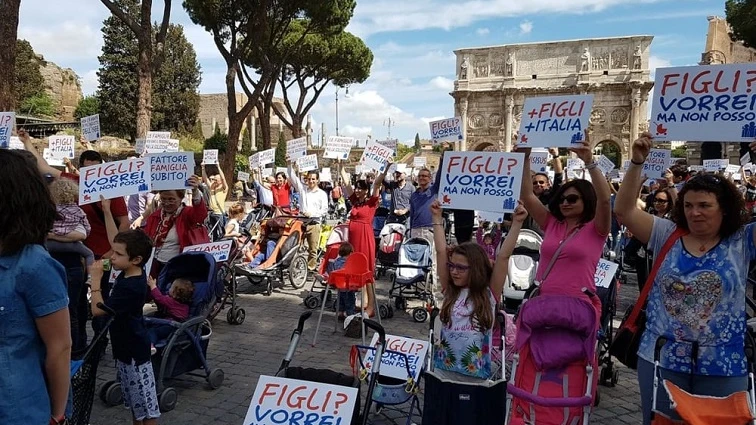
(420, 315)
(608, 377)
(615, 377)
(597, 399)
(298, 272)
(400, 303)
(167, 400)
(390, 312)
(383, 310)
(215, 379)
(312, 302)
(111, 394)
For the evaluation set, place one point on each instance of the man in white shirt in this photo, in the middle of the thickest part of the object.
(313, 202)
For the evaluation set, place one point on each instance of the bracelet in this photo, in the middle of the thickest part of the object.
(591, 166)
(632, 161)
(438, 224)
(95, 290)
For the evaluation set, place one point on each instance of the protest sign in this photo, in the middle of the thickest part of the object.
(325, 174)
(51, 159)
(487, 181)
(696, 168)
(673, 161)
(745, 159)
(446, 130)
(575, 163)
(393, 362)
(210, 156)
(62, 146)
(219, 250)
(605, 164)
(419, 161)
(715, 165)
(267, 171)
(625, 164)
(307, 163)
(157, 141)
(90, 127)
(539, 160)
(605, 272)
(173, 145)
(147, 266)
(555, 121)
(242, 176)
(338, 147)
(375, 156)
(296, 148)
(710, 103)
(282, 170)
(16, 143)
(288, 401)
(390, 143)
(732, 168)
(254, 161)
(493, 217)
(140, 146)
(7, 122)
(114, 179)
(402, 168)
(267, 156)
(656, 163)
(170, 170)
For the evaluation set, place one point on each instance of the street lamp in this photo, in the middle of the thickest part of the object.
(337, 107)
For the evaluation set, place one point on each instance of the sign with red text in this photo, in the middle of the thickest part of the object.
(605, 272)
(539, 160)
(555, 121)
(656, 163)
(337, 147)
(487, 181)
(114, 179)
(170, 170)
(7, 122)
(399, 353)
(307, 163)
(61, 146)
(90, 127)
(375, 156)
(279, 401)
(219, 250)
(711, 103)
(296, 148)
(446, 130)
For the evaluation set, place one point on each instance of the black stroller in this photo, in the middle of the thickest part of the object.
(609, 375)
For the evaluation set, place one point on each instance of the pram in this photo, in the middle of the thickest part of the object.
(336, 237)
(523, 265)
(388, 246)
(84, 374)
(553, 379)
(379, 220)
(454, 399)
(608, 375)
(413, 280)
(185, 349)
(286, 259)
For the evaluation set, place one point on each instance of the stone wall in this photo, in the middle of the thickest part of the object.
(214, 110)
(62, 84)
(720, 48)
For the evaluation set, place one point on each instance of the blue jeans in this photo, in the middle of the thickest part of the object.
(717, 386)
(347, 302)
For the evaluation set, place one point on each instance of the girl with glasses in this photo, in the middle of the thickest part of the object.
(472, 287)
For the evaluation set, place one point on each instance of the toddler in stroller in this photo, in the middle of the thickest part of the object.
(173, 306)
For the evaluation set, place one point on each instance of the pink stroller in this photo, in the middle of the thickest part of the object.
(553, 380)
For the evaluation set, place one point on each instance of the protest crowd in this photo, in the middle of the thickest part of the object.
(88, 247)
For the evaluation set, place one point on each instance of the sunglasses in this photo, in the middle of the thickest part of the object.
(571, 199)
(460, 267)
(661, 201)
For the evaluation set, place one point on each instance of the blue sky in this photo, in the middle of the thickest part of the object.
(413, 43)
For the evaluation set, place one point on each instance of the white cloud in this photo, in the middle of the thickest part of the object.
(482, 31)
(89, 82)
(657, 62)
(526, 27)
(442, 83)
(64, 42)
(360, 133)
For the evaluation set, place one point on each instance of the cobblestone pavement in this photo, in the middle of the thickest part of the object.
(257, 347)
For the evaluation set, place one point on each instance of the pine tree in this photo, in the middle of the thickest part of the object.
(281, 151)
(418, 147)
(29, 81)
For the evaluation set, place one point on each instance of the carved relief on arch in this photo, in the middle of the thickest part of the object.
(619, 116)
(495, 120)
(476, 121)
(598, 116)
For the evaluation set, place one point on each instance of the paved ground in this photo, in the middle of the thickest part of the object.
(257, 346)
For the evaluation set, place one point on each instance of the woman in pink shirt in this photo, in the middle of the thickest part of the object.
(578, 216)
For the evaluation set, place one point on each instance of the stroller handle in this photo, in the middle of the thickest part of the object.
(302, 319)
(372, 324)
(434, 313)
(106, 309)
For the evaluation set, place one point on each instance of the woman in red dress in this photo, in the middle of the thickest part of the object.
(365, 201)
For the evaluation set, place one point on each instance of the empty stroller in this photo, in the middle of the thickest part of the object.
(553, 379)
(413, 280)
(387, 248)
(185, 349)
(522, 269)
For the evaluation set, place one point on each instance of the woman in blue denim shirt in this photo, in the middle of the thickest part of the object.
(35, 335)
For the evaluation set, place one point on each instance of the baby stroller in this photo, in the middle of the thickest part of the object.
(553, 379)
(608, 375)
(379, 220)
(387, 252)
(285, 259)
(185, 349)
(84, 374)
(455, 399)
(522, 269)
(337, 235)
(413, 280)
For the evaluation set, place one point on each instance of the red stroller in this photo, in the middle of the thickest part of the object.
(553, 380)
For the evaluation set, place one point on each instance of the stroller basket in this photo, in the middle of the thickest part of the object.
(84, 381)
(325, 376)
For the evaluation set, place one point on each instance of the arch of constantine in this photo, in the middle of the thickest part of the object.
(493, 82)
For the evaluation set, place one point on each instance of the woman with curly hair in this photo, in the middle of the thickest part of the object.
(696, 312)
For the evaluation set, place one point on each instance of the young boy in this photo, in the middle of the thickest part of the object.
(347, 299)
(131, 343)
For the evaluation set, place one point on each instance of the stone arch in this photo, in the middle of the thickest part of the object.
(612, 149)
(485, 147)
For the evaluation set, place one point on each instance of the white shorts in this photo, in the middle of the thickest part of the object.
(138, 387)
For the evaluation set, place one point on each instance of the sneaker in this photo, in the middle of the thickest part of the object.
(153, 350)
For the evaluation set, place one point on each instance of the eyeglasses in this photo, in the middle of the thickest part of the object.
(540, 183)
(460, 267)
(661, 201)
(571, 199)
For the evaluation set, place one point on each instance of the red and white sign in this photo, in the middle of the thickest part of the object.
(219, 250)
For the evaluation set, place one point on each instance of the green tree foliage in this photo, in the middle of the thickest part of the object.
(89, 105)
(39, 105)
(403, 150)
(218, 141)
(741, 15)
(418, 146)
(28, 79)
(281, 151)
(680, 152)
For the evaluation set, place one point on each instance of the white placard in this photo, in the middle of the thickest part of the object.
(7, 122)
(696, 168)
(555, 121)
(266, 172)
(390, 143)
(446, 130)
(715, 165)
(282, 170)
(605, 272)
(307, 163)
(575, 163)
(50, 159)
(493, 217)
(62, 146)
(173, 145)
(539, 160)
(745, 159)
(157, 141)
(673, 161)
(242, 176)
(210, 156)
(114, 179)
(605, 164)
(219, 250)
(732, 169)
(279, 401)
(296, 148)
(16, 143)
(267, 156)
(656, 163)
(375, 156)
(90, 127)
(254, 161)
(392, 360)
(419, 161)
(625, 164)
(171, 170)
(487, 181)
(140, 146)
(325, 175)
(710, 103)
(402, 168)
(338, 147)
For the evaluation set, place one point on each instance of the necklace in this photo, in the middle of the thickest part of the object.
(702, 247)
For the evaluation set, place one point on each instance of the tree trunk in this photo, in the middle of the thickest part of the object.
(8, 34)
(296, 127)
(144, 100)
(263, 110)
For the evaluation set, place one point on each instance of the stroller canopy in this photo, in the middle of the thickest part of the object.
(199, 267)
